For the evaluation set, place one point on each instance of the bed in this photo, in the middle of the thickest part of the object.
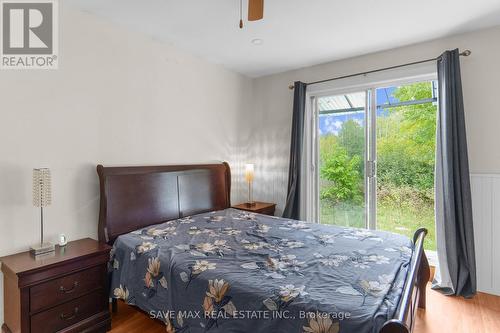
(181, 254)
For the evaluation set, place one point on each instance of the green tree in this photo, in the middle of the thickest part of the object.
(327, 145)
(406, 140)
(352, 138)
(341, 172)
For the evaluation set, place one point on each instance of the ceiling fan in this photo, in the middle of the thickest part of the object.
(255, 11)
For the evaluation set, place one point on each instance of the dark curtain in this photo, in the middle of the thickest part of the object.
(292, 205)
(455, 234)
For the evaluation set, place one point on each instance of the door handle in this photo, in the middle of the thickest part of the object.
(371, 169)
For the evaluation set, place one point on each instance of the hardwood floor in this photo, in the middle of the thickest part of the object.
(453, 314)
(443, 314)
(129, 319)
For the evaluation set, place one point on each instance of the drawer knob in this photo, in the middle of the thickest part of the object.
(67, 291)
(70, 316)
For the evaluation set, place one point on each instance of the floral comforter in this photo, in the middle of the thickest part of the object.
(233, 271)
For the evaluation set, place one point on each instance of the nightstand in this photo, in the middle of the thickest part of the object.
(66, 291)
(259, 207)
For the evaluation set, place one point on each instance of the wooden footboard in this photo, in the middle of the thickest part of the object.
(413, 295)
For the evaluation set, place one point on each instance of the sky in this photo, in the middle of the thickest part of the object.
(332, 123)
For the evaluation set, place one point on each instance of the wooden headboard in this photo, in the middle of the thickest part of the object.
(139, 196)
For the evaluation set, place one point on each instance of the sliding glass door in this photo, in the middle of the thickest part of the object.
(342, 155)
(375, 156)
(405, 154)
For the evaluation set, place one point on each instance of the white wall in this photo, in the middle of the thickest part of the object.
(118, 98)
(272, 114)
(485, 198)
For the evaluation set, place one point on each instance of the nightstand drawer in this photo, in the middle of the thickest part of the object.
(66, 288)
(69, 313)
(267, 211)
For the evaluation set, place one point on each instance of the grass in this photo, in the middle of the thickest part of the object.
(398, 218)
(342, 214)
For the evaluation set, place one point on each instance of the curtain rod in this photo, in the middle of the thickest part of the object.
(465, 53)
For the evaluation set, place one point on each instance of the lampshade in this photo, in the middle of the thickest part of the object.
(42, 194)
(249, 172)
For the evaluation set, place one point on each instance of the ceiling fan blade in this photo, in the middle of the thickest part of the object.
(255, 10)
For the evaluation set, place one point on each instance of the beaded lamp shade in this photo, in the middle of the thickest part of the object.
(42, 192)
(42, 197)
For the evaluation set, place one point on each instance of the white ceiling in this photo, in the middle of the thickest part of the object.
(296, 33)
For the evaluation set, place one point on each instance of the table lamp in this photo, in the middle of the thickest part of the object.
(42, 197)
(249, 174)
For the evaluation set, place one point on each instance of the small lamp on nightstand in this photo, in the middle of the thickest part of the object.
(249, 174)
(42, 197)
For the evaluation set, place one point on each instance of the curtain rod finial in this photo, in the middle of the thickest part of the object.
(467, 53)
(291, 87)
